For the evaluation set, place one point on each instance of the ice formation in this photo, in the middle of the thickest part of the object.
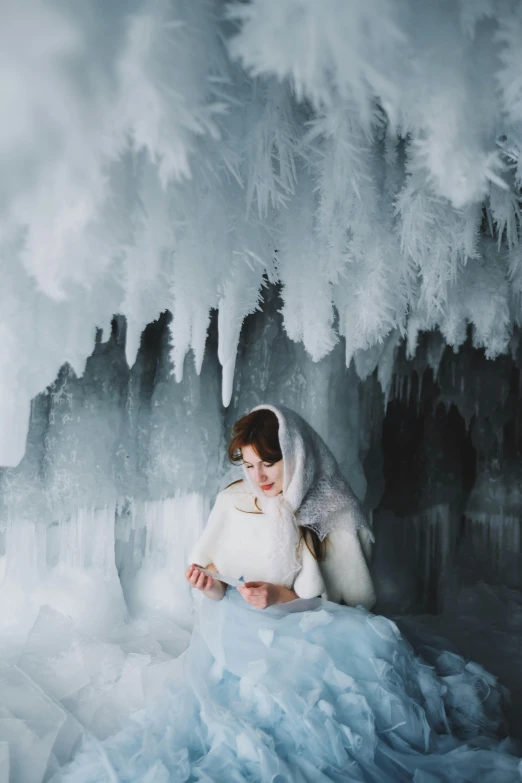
(121, 465)
(207, 205)
(177, 155)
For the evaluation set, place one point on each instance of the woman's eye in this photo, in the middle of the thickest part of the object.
(268, 464)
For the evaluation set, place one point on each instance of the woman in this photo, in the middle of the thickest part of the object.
(288, 470)
(283, 686)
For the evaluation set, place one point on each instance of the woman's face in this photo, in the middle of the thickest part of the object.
(265, 475)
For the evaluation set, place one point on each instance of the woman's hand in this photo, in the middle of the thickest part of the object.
(212, 588)
(264, 594)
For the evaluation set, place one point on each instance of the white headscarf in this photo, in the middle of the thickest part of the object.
(315, 493)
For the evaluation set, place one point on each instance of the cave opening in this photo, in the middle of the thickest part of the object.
(449, 516)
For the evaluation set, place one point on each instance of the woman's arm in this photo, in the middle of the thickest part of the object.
(210, 587)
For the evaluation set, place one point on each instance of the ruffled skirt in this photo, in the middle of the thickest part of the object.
(309, 692)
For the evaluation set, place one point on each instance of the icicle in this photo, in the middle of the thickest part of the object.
(436, 529)
(199, 339)
(386, 364)
(133, 339)
(227, 352)
(179, 328)
(419, 391)
(229, 327)
(136, 211)
(367, 360)
(435, 352)
(228, 382)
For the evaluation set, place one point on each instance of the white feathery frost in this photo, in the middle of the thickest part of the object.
(178, 154)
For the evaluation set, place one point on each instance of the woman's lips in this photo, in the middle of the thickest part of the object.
(264, 487)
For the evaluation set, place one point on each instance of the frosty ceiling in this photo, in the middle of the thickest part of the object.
(178, 154)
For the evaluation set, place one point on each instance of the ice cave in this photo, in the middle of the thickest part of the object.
(211, 205)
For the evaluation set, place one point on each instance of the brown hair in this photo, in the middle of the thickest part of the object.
(260, 430)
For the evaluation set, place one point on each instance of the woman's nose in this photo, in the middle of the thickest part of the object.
(260, 474)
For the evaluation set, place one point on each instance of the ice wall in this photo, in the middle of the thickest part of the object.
(95, 523)
(122, 465)
(439, 461)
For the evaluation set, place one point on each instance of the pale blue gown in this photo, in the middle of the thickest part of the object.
(326, 693)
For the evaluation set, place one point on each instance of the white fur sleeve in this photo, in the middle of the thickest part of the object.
(345, 569)
(309, 582)
(202, 552)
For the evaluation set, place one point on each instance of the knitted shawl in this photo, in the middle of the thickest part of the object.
(314, 489)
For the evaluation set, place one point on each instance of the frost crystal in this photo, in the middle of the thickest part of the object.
(178, 155)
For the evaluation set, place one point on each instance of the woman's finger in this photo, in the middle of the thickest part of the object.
(201, 580)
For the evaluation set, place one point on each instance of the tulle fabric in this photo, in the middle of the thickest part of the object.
(311, 692)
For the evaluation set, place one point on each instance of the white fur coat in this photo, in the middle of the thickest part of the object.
(243, 543)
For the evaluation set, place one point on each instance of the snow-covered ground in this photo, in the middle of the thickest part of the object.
(59, 682)
(82, 642)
